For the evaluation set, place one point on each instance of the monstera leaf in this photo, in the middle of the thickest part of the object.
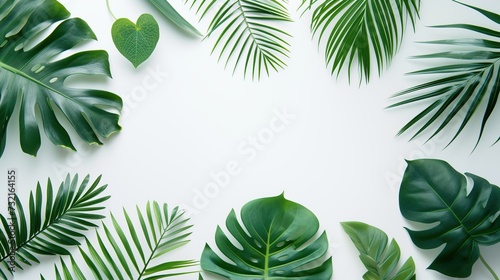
(361, 31)
(276, 240)
(49, 226)
(379, 259)
(467, 82)
(32, 77)
(434, 193)
(249, 33)
(134, 252)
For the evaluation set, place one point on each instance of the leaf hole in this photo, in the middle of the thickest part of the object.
(494, 217)
(281, 244)
(40, 69)
(53, 80)
(254, 260)
(283, 258)
(257, 243)
(19, 47)
(279, 272)
(4, 43)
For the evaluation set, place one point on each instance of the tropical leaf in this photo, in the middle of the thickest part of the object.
(276, 241)
(51, 224)
(32, 77)
(467, 84)
(361, 31)
(134, 252)
(379, 259)
(249, 33)
(434, 193)
(165, 8)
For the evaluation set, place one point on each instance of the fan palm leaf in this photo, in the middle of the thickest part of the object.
(249, 33)
(50, 225)
(33, 78)
(469, 80)
(361, 31)
(134, 253)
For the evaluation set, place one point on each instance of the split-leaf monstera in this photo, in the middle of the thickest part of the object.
(30, 76)
(276, 241)
(434, 193)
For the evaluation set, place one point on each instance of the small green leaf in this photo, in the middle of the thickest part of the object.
(136, 42)
(379, 258)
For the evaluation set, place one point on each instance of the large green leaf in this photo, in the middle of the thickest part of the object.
(32, 77)
(276, 241)
(50, 225)
(434, 193)
(361, 31)
(135, 252)
(249, 33)
(165, 8)
(466, 83)
(379, 259)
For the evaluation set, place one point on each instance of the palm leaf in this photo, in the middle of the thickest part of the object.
(249, 33)
(379, 258)
(361, 31)
(32, 77)
(468, 84)
(276, 239)
(134, 252)
(49, 226)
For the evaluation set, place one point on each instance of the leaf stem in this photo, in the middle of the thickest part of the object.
(109, 10)
(489, 267)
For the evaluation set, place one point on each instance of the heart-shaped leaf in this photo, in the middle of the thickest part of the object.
(379, 259)
(271, 243)
(432, 192)
(136, 42)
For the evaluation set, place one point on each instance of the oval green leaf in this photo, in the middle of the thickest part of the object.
(136, 42)
(434, 193)
(276, 241)
(379, 258)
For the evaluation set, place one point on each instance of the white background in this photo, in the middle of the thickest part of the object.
(338, 156)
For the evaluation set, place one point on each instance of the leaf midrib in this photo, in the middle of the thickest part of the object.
(18, 72)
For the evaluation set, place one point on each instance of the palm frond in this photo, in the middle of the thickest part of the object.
(468, 84)
(362, 32)
(249, 34)
(50, 225)
(134, 252)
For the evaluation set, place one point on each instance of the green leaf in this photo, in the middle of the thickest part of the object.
(277, 240)
(465, 85)
(169, 11)
(249, 33)
(361, 31)
(379, 259)
(119, 253)
(56, 228)
(136, 42)
(35, 80)
(434, 193)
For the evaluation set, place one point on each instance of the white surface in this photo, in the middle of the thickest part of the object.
(337, 155)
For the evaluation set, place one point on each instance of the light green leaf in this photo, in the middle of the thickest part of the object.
(169, 11)
(466, 84)
(32, 78)
(54, 229)
(249, 34)
(361, 31)
(434, 193)
(379, 259)
(136, 42)
(120, 252)
(271, 243)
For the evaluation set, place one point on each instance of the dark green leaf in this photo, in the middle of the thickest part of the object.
(460, 216)
(271, 243)
(37, 80)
